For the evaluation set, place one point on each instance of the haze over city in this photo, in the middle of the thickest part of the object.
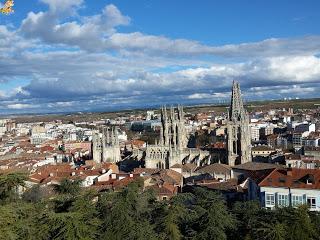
(76, 55)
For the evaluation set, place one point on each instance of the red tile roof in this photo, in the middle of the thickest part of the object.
(164, 189)
(293, 178)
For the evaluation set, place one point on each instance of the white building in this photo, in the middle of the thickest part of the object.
(291, 187)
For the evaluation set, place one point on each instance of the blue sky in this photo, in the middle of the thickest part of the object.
(78, 55)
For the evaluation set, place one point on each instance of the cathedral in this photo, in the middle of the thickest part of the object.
(106, 147)
(238, 130)
(172, 147)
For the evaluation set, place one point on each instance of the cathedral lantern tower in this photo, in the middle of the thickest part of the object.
(238, 130)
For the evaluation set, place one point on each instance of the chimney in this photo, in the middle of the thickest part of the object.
(103, 170)
(289, 172)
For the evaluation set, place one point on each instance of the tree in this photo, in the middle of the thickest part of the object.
(249, 215)
(7, 222)
(128, 214)
(33, 194)
(67, 186)
(67, 191)
(300, 225)
(216, 221)
(272, 231)
(9, 184)
(315, 218)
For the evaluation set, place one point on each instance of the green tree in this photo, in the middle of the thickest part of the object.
(128, 214)
(33, 194)
(272, 231)
(217, 220)
(7, 223)
(300, 225)
(66, 186)
(249, 215)
(9, 184)
(67, 191)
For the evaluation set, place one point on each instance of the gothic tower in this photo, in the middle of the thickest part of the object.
(106, 147)
(238, 130)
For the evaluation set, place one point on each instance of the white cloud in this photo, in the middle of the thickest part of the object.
(200, 96)
(62, 6)
(100, 66)
(19, 106)
(89, 34)
(98, 33)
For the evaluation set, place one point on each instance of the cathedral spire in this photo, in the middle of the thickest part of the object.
(180, 112)
(172, 113)
(238, 130)
(236, 111)
(103, 138)
(112, 137)
(116, 136)
(108, 136)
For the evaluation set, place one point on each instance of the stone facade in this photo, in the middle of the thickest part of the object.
(106, 146)
(238, 130)
(172, 147)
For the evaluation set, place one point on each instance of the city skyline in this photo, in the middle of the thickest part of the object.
(79, 55)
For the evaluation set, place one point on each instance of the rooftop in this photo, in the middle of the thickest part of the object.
(255, 166)
(214, 168)
(293, 178)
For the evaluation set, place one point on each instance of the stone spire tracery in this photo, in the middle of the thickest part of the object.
(238, 130)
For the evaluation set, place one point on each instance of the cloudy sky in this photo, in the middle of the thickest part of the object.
(77, 55)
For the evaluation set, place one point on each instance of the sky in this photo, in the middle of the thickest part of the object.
(100, 55)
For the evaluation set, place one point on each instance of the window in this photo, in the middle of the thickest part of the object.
(282, 200)
(311, 201)
(296, 200)
(270, 199)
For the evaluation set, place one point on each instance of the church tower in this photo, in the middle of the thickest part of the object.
(106, 147)
(238, 130)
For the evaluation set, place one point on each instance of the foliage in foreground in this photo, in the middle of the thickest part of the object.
(74, 213)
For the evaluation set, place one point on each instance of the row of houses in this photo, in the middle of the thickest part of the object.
(107, 177)
(271, 184)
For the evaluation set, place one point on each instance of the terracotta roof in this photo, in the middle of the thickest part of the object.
(165, 175)
(293, 157)
(146, 170)
(46, 149)
(171, 176)
(164, 189)
(214, 168)
(137, 142)
(219, 145)
(38, 178)
(124, 182)
(177, 165)
(293, 178)
(255, 166)
(189, 167)
(258, 176)
(262, 148)
(115, 183)
(229, 186)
